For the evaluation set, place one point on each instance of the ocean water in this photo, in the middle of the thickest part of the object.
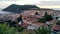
(4, 12)
(56, 8)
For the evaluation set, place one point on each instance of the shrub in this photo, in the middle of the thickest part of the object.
(20, 28)
(4, 29)
(58, 22)
(45, 18)
(41, 20)
(42, 30)
(48, 17)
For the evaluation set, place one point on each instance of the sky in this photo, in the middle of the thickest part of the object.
(39, 3)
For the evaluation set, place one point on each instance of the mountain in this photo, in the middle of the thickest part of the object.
(19, 8)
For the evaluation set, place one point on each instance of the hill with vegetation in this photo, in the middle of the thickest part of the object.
(19, 8)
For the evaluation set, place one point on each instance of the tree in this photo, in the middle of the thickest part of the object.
(58, 22)
(11, 23)
(42, 30)
(57, 18)
(20, 28)
(47, 17)
(19, 19)
(36, 13)
(41, 20)
(4, 29)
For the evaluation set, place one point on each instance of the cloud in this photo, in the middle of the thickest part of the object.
(48, 3)
(4, 3)
(36, 2)
(41, 3)
(51, 0)
(7, 0)
(21, 2)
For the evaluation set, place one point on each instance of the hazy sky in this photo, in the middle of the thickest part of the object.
(40, 3)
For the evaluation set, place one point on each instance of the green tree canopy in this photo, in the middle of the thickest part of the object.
(42, 30)
(41, 20)
(48, 17)
(45, 18)
(58, 22)
(4, 29)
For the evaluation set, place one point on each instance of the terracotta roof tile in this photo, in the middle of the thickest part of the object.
(56, 27)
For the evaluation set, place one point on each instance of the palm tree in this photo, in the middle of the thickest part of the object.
(42, 30)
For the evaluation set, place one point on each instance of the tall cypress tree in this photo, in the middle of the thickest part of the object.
(47, 17)
(19, 19)
(36, 13)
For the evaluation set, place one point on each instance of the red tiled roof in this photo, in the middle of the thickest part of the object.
(37, 23)
(25, 24)
(56, 27)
